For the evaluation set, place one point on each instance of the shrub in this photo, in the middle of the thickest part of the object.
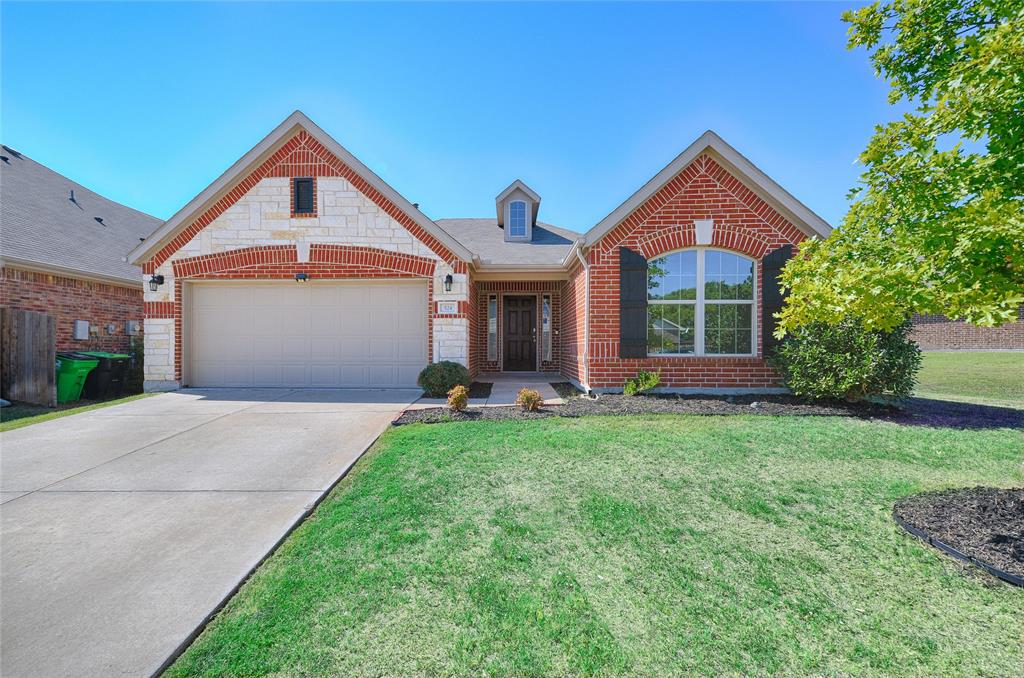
(458, 398)
(529, 400)
(848, 361)
(642, 382)
(439, 378)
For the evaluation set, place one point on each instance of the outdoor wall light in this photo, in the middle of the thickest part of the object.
(301, 277)
(155, 282)
(448, 283)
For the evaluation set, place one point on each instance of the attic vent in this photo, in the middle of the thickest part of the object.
(305, 198)
(71, 195)
(5, 159)
(99, 220)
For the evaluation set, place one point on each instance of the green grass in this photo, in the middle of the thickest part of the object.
(985, 378)
(630, 545)
(23, 414)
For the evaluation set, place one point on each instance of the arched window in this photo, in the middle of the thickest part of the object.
(517, 219)
(701, 302)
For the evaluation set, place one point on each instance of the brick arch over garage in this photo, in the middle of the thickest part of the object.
(281, 262)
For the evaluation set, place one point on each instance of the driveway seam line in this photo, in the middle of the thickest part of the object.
(139, 449)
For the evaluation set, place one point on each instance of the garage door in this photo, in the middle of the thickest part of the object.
(307, 334)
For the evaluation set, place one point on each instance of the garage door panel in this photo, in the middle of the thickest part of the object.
(315, 335)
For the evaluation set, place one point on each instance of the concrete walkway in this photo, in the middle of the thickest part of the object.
(505, 388)
(123, 528)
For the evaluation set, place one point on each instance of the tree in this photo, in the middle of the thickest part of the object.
(938, 224)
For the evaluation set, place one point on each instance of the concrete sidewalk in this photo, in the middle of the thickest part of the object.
(506, 386)
(123, 528)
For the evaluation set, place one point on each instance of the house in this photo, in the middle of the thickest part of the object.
(939, 333)
(63, 252)
(301, 267)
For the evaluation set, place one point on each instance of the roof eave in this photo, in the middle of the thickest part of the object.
(281, 134)
(28, 264)
(764, 186)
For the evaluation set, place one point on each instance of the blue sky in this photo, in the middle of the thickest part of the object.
(148, 103)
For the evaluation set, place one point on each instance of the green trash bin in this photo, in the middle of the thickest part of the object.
(72, 369)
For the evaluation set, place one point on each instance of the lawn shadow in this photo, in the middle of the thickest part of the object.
(952, 414)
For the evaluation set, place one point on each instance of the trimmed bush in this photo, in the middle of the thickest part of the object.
(438, 378)
(458, 398)
(642, 382)
(848, 361)
(529, 400)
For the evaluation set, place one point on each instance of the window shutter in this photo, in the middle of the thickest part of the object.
(632, 304)
(772, 297)
(304, 196)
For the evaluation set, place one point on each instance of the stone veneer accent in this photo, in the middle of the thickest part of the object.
(356, 234)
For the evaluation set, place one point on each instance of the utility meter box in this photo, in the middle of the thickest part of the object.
(133, 327)
(81, 330)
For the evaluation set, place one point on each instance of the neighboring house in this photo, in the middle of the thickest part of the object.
(63, 252)
(939, 333)
(300, 267)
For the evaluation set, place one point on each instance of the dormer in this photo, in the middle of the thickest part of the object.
(517, 208)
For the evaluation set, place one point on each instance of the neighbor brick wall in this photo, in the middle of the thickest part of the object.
(70, 299)
(664, 223)
(486, 288)
(937, 332)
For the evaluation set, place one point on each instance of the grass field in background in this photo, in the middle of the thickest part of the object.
(985, 378)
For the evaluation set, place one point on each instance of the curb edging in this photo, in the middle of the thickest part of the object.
(956, 553)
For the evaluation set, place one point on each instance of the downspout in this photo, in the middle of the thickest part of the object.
(586, 317)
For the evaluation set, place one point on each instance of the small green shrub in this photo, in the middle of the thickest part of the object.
(848, 361)
(642, 382)
(529, 400)
(458, 398)
(439, 378)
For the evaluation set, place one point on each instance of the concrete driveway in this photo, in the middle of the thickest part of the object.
(124, 528)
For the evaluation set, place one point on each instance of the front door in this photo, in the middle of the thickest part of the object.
(520, 334)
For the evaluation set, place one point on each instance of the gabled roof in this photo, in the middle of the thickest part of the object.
(517, 185)
(238, 171)
(737, 165)
(42, 227)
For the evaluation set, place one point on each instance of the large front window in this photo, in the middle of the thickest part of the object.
(700, 302)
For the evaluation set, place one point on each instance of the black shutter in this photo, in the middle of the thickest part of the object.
(632, 304)
(304, 196)
(772, 297)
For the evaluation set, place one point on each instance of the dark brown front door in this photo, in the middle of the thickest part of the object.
(520, 334)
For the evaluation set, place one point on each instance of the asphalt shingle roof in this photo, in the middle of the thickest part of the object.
(550, 243)
(39, 223)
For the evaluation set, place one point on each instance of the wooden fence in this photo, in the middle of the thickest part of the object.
(27, 355)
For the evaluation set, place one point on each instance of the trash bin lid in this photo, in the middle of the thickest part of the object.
(104, 354)
(74, 355)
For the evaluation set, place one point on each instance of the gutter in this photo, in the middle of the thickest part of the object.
(586, 317)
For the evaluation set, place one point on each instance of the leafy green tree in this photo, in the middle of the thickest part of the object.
(938, 225)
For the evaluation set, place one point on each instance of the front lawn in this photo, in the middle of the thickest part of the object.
(987, 378)
(631, 545)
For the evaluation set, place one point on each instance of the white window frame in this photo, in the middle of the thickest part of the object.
(526, 220)
(699, 303)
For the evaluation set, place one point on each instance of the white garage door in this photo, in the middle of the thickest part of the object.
(307, 334)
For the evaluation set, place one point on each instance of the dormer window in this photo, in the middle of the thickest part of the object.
(517, 209)
(517, 219)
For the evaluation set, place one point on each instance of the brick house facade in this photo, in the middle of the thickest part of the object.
(939, 333)
(504, 294)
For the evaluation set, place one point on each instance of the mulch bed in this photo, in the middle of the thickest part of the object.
(985, 524)
(915, 411)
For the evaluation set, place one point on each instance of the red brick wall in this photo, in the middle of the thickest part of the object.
(71, 299)
(664, 223)
(478, 330)
(573, 324)
(473, 357)
(937, 332)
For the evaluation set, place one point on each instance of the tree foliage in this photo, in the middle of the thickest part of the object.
(938, 225)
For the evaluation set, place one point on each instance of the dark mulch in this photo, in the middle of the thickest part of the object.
(480, 389)
(985, 523)
(915, 411)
